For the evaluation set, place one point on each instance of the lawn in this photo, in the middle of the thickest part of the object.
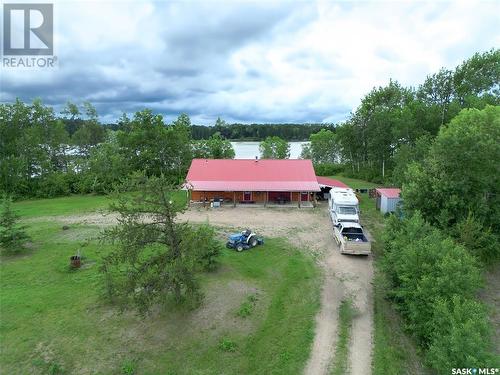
(257, 316)
(354, 183)
(75, 204)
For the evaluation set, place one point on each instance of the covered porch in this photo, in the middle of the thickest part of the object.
(251, 198)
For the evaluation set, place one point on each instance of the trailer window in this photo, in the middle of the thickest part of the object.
(346, 210)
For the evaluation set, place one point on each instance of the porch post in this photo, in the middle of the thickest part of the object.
(204, 198)
(300, 197)
(265, 200)
(234, 199)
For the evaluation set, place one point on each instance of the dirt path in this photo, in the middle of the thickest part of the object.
(344, 276)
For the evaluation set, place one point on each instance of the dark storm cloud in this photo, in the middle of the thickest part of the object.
(245, 61)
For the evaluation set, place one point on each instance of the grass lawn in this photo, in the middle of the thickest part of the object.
(61, 206)
(75, 204)
(257, 316)
(354, 183)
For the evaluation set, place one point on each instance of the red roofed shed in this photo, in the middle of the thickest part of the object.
(387, 199)
(251, 181)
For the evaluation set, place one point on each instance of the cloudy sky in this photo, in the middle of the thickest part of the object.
(248, 61)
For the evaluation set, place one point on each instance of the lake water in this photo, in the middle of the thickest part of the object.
(249, 150)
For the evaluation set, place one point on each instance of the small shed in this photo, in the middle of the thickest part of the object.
(387, 199)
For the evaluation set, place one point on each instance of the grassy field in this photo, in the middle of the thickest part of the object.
(354, 183)
(393, 353)
(75, 204)
(257, 316)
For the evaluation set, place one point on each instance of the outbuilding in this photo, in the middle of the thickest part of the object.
(387, 199)
(246, 182)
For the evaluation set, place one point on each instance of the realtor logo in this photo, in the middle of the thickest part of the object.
(28, 29)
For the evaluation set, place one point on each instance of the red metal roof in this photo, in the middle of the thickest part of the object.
(330, 182)
(252, 175)
(389, 192)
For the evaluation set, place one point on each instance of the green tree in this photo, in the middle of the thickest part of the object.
(32, 147)
(106, 168)
(157, 149)
(156, 256)
(461, 337)
(324, 147)
(306, 152)
(406, 154)
(90, 132)
(477, 80)
(460, 174)
(215, 147)
(433, 282)
(71, 110)
(12, 235)
(274, 148)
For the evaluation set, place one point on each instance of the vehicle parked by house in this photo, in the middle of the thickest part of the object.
(343, 206)
(351, 239)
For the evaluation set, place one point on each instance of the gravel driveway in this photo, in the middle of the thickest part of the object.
(344, 275)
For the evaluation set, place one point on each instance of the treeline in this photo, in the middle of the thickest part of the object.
(42, 155)
(394, 124)
(449, 234)
(258, 132)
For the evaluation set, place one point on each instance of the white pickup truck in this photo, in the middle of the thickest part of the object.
(351, 239)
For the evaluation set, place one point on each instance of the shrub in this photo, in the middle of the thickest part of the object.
(433, 282)
(227, 345)
(328, 169)
(53, 185)
(247, 307)
(461, 331)
(479, 241)
(129, 367)
(12, 235)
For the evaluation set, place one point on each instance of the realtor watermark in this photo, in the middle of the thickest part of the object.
(475, 371)
(28, 36)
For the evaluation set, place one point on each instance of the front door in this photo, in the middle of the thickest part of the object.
(247, 196)
(304, 197)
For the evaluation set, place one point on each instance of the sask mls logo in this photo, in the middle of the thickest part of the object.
(28, 30)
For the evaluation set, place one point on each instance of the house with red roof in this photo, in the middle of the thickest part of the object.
(248, 181)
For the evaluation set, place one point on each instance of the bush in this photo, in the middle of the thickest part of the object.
(461, 331)
(52, 185)
(367, 174)
(247, 307)
(12, 235)
(227, 345)
(479, 241)
(433, 281)
(129, 367)
(328, 169)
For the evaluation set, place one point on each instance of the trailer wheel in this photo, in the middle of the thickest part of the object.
(239, 248)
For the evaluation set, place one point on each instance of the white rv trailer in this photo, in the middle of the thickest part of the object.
(343, 205)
